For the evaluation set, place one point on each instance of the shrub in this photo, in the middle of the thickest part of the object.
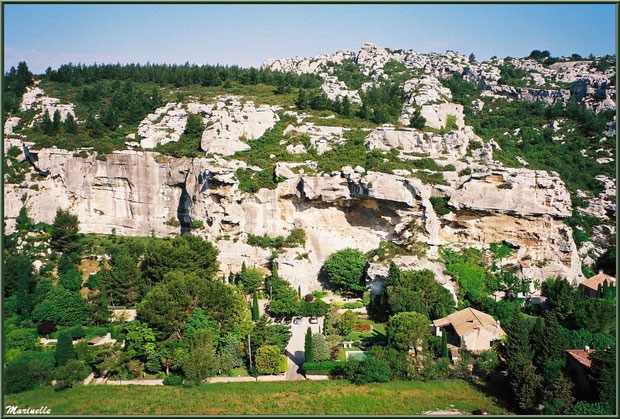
(269, 360)
(23, 339)
(368, 370)
(440, 204)
(27, 371)
(486, 363)
(69, 374)
(501, 249)
(173, 380)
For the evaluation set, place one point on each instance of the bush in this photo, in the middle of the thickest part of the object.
(368, 370)
(173, 380)
(69, 374)
(317, 308)
(269, 360)
(27, 371)
(23, 339)
(486, 363)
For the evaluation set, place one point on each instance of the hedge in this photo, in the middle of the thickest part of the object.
(322, 368)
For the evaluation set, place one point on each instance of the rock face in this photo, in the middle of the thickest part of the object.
(513, 191)
(129, 192)
(35, 98)
(166, 124)
(137, 193)
(410, 140)
(337, 90)
(230, 126)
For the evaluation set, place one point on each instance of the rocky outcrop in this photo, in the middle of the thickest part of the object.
(128, 192)
(230, 126)
(520, 192)
(164, 125)
(35, 98)
(453, 144)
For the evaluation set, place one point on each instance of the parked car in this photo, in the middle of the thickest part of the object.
(297, 320)
(314, 320)
(288, 332)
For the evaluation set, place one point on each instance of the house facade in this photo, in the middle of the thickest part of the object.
(470, 330)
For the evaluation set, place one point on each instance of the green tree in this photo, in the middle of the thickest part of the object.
(64, 348)
(122, 281)
(200, 363)
(603, 374)
(408, 330)
(23, 339)
(255, 312)
(597, 315)
(140, 339)
(187, 253)
(98, 307)
(270, 360)
(320, 350)
(561, 296)
(527, 388)
(251, 279)
(302, 100)
(70, 373)
(419, 291)
(346, 322)
(168, 305)
(345, 108)
(517, 348)
(416, 120)
(345, 270)
(199, 320)
(64, 234)
(70, 126)
(61, 307)
(444, 344)
(72, 280)
(308, 346)
(194, 126)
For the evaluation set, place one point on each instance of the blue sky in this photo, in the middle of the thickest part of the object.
(50, 35)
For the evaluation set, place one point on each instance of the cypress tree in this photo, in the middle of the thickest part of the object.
(444, 344)
(393, 277)
(64, 348)
(518, 350)
(554, 343)
(308, 346)
(537, 341)
(255, 313)
(299, 291)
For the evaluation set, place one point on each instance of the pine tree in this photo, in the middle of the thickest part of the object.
(308, 346)
(255, 313)
(70, 125)
(56, 122)
(64, 348)
(346, 106)
(302, 100)
(46, 124)
(444, 344)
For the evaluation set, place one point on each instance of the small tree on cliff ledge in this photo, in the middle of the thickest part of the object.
(345, 271)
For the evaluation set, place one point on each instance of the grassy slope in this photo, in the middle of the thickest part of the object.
(301, 397)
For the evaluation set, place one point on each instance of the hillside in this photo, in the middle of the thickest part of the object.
(356, 148)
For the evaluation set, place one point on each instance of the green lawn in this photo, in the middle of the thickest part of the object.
(293, 397)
